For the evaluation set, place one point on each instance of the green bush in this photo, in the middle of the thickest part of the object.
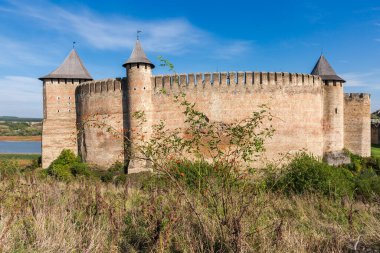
(67, 166)
(368, 185)
(307, 174)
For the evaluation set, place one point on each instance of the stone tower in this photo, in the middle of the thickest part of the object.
(333, 119)
(59, 124)
(139, 91)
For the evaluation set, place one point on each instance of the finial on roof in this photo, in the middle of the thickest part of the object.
(137, 34)
(138, 55)
(323, 69)
(74, 44)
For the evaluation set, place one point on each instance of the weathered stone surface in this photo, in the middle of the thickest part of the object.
(357, 123)
(337, 158)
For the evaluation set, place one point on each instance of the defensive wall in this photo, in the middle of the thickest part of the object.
(101, 121)
(307, 113)
(357, 127)
(295, 100)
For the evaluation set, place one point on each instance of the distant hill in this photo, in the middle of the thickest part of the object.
(17, 119)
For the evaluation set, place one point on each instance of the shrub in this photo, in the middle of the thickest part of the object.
(67, 166)
(307, 174)
(117, 167)
(368, 185)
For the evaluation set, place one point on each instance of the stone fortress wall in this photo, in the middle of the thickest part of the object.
(100, 121)
(310, 112)
(357, 126)
(295, 100)
(300, 104)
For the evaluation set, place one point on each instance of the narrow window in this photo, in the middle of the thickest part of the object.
(336, 110)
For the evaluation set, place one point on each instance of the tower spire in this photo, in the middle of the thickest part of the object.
(138, 55)
(71, 68)
(323, 69)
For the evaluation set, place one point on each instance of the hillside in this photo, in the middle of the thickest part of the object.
(17, 119)
(14, 126)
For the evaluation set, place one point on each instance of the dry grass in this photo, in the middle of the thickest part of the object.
(44, 215)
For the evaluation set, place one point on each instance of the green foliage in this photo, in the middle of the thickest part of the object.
(8, 168)
(20, 157)
(67, 166)
(368, 185)
(305, 174)
(10, 128)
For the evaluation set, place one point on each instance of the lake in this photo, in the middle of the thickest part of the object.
(20, 147)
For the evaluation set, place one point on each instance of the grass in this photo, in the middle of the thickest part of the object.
(43, 215)
(375, 151)
(19, 156)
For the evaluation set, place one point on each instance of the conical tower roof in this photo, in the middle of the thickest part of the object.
(71, 68)
(138, 56)
(325, 71)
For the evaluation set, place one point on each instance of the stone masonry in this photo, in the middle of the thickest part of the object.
(311, 112)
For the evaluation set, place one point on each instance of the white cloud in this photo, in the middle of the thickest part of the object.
(15, 53)
(367, 79)
(232, 49)
(21, 96)
(173, 36)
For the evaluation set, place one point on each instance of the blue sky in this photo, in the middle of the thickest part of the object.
(197, 36)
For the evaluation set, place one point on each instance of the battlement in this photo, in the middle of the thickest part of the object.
(259, 79)
(100, 86)
(357, 96)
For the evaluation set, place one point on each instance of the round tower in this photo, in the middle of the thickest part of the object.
(138, 99)
(333, 99)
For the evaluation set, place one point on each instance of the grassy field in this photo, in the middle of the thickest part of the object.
(19, 156)
(375, 151)
(21, 159)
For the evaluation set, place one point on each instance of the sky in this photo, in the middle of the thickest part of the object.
(196, 36)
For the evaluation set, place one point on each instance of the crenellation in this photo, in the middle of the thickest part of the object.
(256, 78)
(241, 78)
(158, 82)
(357, 96)
(183, 80)
(271, 78)
(248, 79)
(199, 79)
(232, 78)
(207, 80)
(191, 81)
(166, 83)
(216, 79)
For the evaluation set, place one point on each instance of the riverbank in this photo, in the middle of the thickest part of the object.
(21, 138)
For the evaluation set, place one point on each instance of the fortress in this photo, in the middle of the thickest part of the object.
(311, 112)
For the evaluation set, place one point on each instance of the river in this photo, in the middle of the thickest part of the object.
(20, 147)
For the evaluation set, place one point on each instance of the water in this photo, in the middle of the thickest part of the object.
(20, 147)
